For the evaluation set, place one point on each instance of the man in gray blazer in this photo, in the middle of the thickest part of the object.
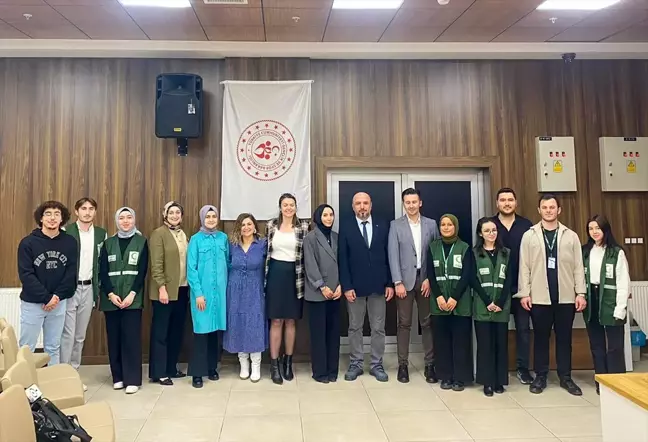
(409, 241)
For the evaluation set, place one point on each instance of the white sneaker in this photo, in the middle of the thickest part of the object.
(118, 385)
(244, 360)
(256, 367)
(85, 387)
(132, 389)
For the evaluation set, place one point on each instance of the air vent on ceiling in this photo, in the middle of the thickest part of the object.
(226, 2)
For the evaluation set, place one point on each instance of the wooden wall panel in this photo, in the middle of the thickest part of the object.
(76, 127)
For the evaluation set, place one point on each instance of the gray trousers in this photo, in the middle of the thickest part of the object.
(376, 306)
(77, 318)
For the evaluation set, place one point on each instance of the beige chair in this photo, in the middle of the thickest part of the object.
(17, 425)
(65, 392)
(54, 373)
(10, 348)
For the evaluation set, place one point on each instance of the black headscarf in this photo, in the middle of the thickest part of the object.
(317, 219)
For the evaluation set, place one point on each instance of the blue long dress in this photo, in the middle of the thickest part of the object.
(247, 326)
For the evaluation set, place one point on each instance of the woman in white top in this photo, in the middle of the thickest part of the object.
(284, 283)
(608, 283)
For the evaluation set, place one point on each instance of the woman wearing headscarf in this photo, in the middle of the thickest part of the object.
(322, 294)
(247, 326)
(207, 259)
(284, 284)
(449, 270)
(169, 294)
(123, 264)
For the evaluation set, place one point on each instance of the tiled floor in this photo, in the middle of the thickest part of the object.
(363, 411)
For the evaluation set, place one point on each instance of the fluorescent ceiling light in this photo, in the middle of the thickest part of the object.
(367, 4)
(584, 5)
(158, 3)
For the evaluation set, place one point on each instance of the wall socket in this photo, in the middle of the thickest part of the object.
(633, 240)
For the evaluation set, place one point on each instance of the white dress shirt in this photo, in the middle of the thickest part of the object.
(415, 227)
(622, 278)
(369, 228)
(284, 246)
(86, 255)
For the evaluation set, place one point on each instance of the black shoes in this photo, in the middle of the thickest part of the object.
(538, 385)
(499, 389)
(287, 368)
(332, 378)
(213, 375)
(458, 386)
(179, 374)
(568, 384)
(403, 374)
(275, 374)
(524, 376)
(446, 385)
(430, 374)
(321, 380)
(488, 391)
(197, 382)
(166, 381)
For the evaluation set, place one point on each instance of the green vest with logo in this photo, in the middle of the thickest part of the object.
(607, 289)
(492, 281)
(99, 238)
(122, 270)
(448, 273)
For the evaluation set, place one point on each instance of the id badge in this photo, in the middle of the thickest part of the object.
(551, 263)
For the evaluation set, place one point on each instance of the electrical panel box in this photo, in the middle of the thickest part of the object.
(624, 164)
(555, 164)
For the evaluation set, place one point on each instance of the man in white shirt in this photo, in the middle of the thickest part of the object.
(409, 240)
(89, 238)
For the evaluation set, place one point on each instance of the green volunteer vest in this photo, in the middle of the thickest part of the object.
(607, 290)
(99, 237)
(448, 273)
(492, 281)
(123, 269)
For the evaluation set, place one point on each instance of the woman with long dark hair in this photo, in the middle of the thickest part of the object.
(284, 283)
(492, 306)
(608, 283)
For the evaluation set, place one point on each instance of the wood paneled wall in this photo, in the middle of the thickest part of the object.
(76, 127)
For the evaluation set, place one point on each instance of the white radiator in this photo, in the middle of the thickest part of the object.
(10, 310)
(638, 304)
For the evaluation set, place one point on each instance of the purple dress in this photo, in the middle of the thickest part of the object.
(247, 326)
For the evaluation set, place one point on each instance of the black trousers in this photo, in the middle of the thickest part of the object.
(167, 331)
(324, 323)
(608, 356)
(124, 330)
(453, 347)
(492, 353)
(522, 320)
(206, 353)
(560, 317)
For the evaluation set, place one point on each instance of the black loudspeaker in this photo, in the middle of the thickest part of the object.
(178, 106)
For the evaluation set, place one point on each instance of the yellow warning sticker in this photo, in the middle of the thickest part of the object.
(631, 166)
(557, 166)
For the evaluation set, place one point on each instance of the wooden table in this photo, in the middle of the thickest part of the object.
(624, 407)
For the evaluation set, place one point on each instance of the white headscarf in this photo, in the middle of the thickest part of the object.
(122, 233)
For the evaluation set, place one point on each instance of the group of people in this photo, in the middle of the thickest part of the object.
(250, 290)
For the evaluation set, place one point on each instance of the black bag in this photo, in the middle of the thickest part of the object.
(52, 425)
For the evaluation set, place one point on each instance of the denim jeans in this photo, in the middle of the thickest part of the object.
(33, 319)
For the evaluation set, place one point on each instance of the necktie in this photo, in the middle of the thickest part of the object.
(365, 235)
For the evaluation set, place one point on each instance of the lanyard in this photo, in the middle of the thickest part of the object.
(445, 258)
(553, 241)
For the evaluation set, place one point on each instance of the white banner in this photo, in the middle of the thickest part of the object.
(266, 147)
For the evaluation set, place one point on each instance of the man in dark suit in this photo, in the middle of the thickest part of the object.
(366, 283)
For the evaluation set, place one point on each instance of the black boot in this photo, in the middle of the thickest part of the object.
(275, 374)
(287, 368)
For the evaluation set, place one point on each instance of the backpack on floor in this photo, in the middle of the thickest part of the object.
(52, 425)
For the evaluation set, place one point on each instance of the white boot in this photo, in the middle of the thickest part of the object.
(256, 367)
(244, 359)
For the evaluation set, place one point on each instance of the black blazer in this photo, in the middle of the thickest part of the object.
(365, 270)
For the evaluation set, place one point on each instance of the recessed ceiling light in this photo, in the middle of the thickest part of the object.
(586, 5)
(367, 4)
(158, 3)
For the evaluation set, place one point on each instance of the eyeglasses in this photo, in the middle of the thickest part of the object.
(489, 231)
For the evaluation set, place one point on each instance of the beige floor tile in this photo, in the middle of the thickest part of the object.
(581, 439)
(472, 398)
(422, 426)
(127, 430)
(306, 383)
(544, 439)
(265, 383)
(181, 429)
(570, 421)
(335, 401)
(553, 396)
(252, 403)
(348, 427)
(370, 382)
(136, 406)
(487, 424)
(405, 398)
(278, 428)
(195, 404)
